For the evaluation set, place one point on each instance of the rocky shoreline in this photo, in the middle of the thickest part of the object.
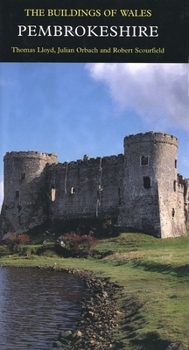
(98, 327)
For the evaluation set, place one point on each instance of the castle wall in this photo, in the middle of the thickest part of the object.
(171, 194)
(150, 185)
(181, 215)
(141, 205)
(183, 198)
(141, 189)
(24, 203)
(90, 188)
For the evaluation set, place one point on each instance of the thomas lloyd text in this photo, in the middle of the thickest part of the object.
(85, 50)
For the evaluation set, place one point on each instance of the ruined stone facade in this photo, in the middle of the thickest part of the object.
(141, 188)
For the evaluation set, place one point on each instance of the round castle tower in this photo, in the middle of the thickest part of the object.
(24, 203)
(150, 185)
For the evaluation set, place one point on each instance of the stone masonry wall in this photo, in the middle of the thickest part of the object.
(25, 202)
(171, 208)
(141, 205)
(83, 189)
(150, 185)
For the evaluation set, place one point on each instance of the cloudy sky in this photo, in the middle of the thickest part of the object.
(74, 109)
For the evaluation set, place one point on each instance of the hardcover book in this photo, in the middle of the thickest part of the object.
(94, 154)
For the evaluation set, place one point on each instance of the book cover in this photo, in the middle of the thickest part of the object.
(94, 127)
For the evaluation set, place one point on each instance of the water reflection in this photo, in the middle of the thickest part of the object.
(35, 305)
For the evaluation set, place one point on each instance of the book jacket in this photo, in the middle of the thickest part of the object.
(89, 83)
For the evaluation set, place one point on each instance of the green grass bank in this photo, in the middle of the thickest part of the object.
(153, 274)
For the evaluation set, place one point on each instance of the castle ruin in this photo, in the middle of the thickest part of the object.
(140, 188)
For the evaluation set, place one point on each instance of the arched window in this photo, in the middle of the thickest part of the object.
(72, 190)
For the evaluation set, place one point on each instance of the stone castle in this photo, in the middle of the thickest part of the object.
(140, 188)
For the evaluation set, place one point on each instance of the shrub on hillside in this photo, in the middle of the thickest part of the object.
(78, 245)
(15, 241)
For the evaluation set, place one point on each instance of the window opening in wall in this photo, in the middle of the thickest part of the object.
(19, 208)
(144, 160)
(175, 185)
(146, 182)
(175, 163)
(72, 191)
(17, 194)
(173, 212)
(22, 176)
(119, 195)
(53, 194)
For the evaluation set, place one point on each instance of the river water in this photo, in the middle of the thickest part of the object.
(35, 306)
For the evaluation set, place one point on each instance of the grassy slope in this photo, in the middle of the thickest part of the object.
(154, 275)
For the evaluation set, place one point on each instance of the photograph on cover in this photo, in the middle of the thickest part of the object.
(72, 109)
(93, 173)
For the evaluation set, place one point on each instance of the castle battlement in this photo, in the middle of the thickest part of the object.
(139, 189)
(31, 155)
(92, 161)
(151, 137)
